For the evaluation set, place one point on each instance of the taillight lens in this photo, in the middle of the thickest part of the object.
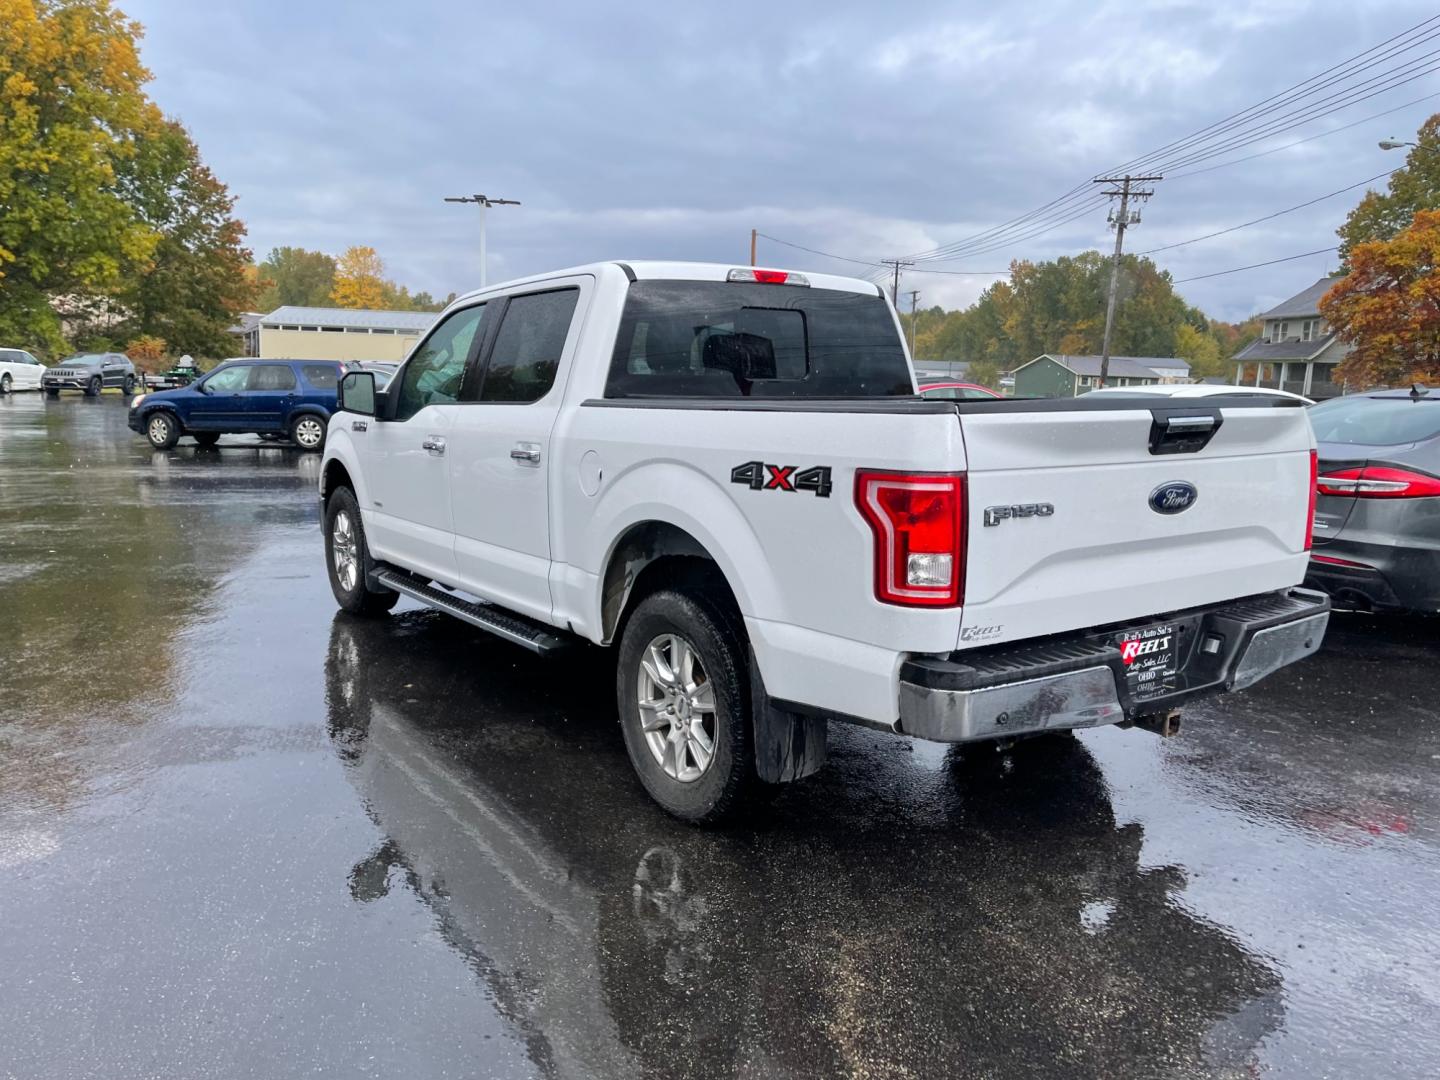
(1378, 482)
(918, 521)
(1310, 515)
(767, 277)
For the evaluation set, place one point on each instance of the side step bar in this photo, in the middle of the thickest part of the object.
(517, 629)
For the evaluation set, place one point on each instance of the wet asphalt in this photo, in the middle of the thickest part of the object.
(243, 835)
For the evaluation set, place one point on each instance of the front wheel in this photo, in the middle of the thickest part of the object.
(347, 558)
(308, 432)
(93, 387)
(4, 384)
(163, 430)
(684, 706)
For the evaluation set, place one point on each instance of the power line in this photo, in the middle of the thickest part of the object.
(1122, 219)
(1268, 217)
(1253, 266)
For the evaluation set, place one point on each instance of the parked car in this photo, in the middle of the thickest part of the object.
(955, 391)
(19, 371)
(1377, 510)
(727, 474)
(292, 398)
(90, 372)
(1197, 390)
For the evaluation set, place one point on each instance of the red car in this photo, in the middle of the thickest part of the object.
(955, 391)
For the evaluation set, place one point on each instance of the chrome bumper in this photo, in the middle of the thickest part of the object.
(1092, 695)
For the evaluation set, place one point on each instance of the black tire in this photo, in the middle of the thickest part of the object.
(725, 785)
(51, 393)
(128, 386)
(353, 596)
(94, 386)
(162, 429)
(4, 384)
(302, 432)
(206, 438)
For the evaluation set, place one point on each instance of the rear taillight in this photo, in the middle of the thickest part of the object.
(918, 521)
(1378, 482)
(1310, 514)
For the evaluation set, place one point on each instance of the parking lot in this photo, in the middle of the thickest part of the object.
(244, 835)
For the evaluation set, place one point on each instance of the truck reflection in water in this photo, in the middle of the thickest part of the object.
(1013, 930)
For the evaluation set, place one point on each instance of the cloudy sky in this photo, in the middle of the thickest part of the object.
(869, 131)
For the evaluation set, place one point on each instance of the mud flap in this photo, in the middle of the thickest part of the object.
(788, 745)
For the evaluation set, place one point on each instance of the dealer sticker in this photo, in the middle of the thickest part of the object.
(1150, 658)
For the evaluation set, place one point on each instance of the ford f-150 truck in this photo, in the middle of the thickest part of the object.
(727, 474)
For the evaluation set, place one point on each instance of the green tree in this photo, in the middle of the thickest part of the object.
(72, 110)
(1415, 186)
(196, 282)
(1202, 350)
(294, 275)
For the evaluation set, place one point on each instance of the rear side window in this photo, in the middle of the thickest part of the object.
(1364, 421)
(321, 376)
(527, 350)
(272, 377)
(737, 339)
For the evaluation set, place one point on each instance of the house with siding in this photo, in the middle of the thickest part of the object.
(1296, 351)
(1061, 375)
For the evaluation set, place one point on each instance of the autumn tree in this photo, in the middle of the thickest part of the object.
(1201, 350)
(359, 279)
(196, 282)
(297, 276)
(1387, 308)
(72, 110)
(1413, 187)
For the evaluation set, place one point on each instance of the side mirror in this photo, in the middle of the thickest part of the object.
(357, 393)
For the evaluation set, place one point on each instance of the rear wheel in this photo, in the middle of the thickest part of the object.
(347, 558)
(128, 386)
(308, 432)
(207, 438)
(93, 387)
(163, 430)
(684, 706)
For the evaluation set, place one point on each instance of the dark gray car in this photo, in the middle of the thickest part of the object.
(1377, 507)
(90, 372)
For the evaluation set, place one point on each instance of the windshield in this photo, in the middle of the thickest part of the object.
(1368, 421)
(736, 339)
(83, 360)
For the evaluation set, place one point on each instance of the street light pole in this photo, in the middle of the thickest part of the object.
(484, 202)
(1397, 144)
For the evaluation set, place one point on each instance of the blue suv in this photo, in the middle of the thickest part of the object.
(291, 398)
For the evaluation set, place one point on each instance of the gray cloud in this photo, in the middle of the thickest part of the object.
(671, 130)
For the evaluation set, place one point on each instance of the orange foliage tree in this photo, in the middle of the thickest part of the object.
(1388, 307)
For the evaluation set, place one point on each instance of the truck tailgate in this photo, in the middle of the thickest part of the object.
(1075, 518)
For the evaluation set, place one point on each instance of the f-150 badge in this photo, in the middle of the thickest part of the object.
(996, 514)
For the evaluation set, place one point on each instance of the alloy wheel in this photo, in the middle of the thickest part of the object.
(308, 432)
(158, 429)
(677, 708)
(345, 550)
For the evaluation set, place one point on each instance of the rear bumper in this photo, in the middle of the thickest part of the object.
(1079, 680)
(1377, 577)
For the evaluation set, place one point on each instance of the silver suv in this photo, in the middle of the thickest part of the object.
(90, 372)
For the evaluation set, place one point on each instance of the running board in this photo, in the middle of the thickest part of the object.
(517, 629)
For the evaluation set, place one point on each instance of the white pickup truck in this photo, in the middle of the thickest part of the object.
(727, 474)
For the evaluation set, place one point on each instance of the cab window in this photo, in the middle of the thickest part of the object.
(433, 374)
(527, 349)
(230, 380)
(272, 377)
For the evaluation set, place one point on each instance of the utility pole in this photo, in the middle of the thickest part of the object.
(752, 246)
(484, 202)
(896, 264)
(914, 315)
(1120, 220)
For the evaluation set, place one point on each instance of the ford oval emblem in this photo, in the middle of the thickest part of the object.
(1173, 497)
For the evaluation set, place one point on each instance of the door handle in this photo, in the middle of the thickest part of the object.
(526, 453)
(435, 444)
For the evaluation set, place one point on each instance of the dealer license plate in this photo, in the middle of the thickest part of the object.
(1151, 657)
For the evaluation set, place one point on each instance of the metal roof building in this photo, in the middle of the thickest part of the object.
(320, 333)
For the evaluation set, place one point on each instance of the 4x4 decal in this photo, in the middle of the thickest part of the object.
(761, 476)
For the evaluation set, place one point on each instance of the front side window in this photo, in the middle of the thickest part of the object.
(737, 339)
(527, 349)
(230, 380)
(272, 377)
(433, 374)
